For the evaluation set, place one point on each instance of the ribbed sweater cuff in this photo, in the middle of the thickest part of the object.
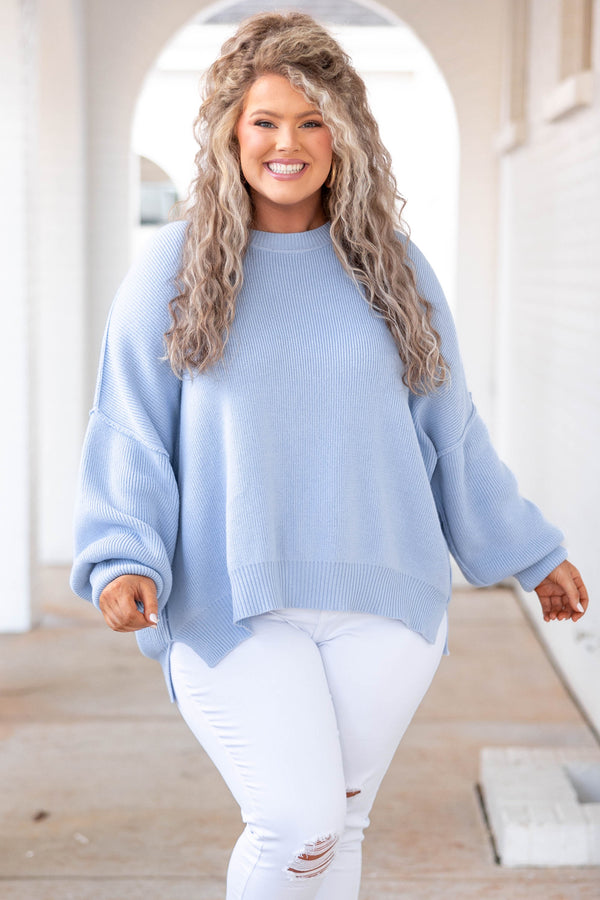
(532, 576)
(105, 572)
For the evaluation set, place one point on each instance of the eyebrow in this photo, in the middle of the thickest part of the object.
(274, 115)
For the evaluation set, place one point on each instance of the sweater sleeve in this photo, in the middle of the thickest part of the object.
(491, 530)
(127, 509)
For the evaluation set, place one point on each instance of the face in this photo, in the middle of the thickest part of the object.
(285, 154)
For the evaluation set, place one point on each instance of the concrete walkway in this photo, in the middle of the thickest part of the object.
(106, 796)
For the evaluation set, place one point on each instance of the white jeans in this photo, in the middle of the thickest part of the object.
(302, 721)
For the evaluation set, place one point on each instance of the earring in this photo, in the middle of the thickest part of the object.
(332, 174)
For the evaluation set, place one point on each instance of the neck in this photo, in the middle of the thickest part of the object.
(287, 221)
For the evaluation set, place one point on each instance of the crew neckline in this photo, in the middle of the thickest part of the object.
(285, 242)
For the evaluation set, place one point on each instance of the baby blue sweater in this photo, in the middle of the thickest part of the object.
(299, 470)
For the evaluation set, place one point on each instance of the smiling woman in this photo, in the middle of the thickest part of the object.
(285, 155)
(272, 512)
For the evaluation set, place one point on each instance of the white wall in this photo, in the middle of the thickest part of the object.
(17, 102)
(551, 320)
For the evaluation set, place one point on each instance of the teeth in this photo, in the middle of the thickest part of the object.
(280, 169)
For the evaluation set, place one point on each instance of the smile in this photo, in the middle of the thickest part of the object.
(282, 169)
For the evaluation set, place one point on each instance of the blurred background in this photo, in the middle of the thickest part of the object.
(491, 110)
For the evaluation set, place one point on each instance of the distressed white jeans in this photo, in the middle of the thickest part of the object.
(302, 720)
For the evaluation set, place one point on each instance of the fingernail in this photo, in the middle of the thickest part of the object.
(580, 607)
(153, 618)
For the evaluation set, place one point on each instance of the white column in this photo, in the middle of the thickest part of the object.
(61, 299)
(17, 59)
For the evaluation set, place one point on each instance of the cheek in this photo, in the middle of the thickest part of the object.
(326, 147)
(251, 141)
(325, 141)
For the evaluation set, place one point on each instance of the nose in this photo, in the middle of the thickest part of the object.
(287, 139)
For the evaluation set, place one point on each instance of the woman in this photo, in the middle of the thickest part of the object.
(270, 505)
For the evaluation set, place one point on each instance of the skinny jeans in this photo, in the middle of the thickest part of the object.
(302, 720)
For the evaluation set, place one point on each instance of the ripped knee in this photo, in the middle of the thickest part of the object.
(314, 858)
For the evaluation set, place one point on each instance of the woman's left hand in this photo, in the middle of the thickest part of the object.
(562, 593)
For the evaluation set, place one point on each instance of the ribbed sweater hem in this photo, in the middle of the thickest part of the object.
(303, 584)
(348, 587)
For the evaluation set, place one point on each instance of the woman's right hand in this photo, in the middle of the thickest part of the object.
(118, 603)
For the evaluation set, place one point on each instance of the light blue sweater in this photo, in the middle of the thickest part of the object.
(298, 471)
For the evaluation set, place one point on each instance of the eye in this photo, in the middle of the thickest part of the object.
(312, 124)
(264, 124)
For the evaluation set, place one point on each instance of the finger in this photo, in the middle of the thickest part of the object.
(115, 620)
(147, 590)
(108, 605)
(126, 614)
(570, 613)
(121, 602)
(583, 596)
(118, 605)
(545, 604)
(557, 604)
(575, 616)
(551, 605)
(567, 583)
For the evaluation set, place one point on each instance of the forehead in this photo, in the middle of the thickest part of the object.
(275, 89)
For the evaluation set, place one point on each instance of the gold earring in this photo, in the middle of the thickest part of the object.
(332, 174)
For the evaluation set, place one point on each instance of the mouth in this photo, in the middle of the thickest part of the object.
(277, 168)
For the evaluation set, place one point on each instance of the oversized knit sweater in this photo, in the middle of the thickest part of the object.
(299, 471)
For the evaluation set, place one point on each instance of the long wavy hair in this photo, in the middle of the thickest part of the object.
(361, 200)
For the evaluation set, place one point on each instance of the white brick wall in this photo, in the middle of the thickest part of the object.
(550, 300)
(533, 808)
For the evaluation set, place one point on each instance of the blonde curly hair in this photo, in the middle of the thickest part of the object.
(361, 202)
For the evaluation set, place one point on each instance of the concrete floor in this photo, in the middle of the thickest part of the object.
(106, 796)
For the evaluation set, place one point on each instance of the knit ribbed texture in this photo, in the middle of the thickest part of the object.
(297, 472)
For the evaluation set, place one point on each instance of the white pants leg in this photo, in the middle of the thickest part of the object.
(309, 709)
